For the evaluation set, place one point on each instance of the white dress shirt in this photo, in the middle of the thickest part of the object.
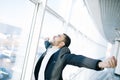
(45, 60)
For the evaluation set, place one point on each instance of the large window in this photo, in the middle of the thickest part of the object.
(15, 22)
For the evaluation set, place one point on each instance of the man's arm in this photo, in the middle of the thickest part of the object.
(82, 61)
(47, 43)
(108, 63)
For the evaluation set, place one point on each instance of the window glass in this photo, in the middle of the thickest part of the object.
(62, 7)
(82, 21)
(15, 21)
(51, 25)
(77, 13)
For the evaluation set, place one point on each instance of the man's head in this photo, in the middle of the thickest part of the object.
(61, 40)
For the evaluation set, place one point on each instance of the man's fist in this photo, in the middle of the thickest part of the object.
(108, 63)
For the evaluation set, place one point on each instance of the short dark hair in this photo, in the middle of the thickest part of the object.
(67, 40)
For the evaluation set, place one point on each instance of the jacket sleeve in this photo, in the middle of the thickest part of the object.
(47, 44)
(82, 61)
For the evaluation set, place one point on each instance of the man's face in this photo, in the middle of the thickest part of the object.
(58, 39)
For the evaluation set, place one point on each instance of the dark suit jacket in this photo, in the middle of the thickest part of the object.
(60, 59)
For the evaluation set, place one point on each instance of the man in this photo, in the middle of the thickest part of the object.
(51, 64)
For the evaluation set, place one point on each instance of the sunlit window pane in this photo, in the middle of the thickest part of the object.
(83, 22)
(62, 7)
(15, 21)
(51, 25)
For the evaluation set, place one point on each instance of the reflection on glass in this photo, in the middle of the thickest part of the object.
(15, 20)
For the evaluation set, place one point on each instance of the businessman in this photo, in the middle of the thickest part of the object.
(57, 55)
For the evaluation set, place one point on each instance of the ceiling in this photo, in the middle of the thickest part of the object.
(106, 14)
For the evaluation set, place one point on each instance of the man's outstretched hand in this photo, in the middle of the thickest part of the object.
(108, 63)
